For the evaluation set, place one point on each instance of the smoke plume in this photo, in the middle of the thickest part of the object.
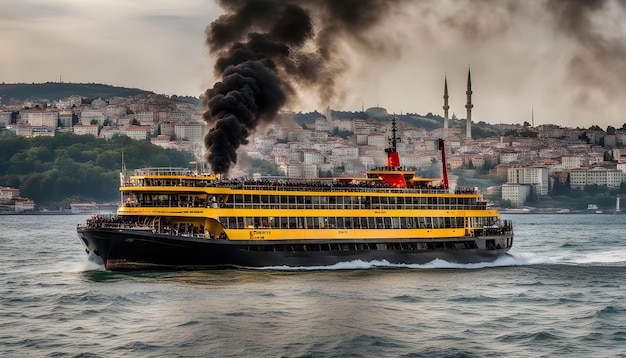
(266, 50)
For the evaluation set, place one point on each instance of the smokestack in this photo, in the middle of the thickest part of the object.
(266, 50)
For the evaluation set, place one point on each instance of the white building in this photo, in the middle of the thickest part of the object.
(572, 162)
(89, 115)
(346, 153)
(136, 132)
(581, 177)
(516, 193)
(86, 129)
(193, 132)
(377, 140)
(535, 176)
(145, 117)
(311, 157)
(43, 118)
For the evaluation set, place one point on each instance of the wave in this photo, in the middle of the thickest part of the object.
(506, 260)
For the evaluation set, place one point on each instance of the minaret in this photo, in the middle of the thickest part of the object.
(469, 106)
(446, 107)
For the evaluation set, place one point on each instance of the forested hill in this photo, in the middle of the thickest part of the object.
(54, 91)
(68, 167)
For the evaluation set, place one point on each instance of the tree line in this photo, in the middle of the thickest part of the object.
(54, 171)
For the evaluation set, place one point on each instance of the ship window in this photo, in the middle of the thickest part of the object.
(256, 199)
(410, 222)
(392, 202)
(292, 223)
(224, 221)
(309, 223)
(247, 199)
(379, 223)
(375, 202)
(349, 202)
(340, 223)
(301, 222)
(315, 200)
(356, 222)
(371, 223)
(332, 202)
(300, 200)
(403, 223)
(307, 202)
(395, 223)
(384, 204)
(292, 201)
(316, 223)
(332, 223)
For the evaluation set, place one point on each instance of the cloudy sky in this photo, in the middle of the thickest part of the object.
(563, 59)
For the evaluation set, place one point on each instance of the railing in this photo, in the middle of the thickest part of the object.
(296, 186)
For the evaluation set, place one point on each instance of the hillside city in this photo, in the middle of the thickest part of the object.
(533, 164)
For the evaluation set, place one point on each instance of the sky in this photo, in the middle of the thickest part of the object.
(555, 61)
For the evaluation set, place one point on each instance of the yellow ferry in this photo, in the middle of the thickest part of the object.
(174, 218)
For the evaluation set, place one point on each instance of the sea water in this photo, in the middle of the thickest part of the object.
(559, 293)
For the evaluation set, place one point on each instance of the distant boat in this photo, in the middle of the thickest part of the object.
(593, 208)
(563, 211)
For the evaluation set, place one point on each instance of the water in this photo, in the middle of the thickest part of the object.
(561, 293)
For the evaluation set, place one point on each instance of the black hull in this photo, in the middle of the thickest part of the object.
(119, 249)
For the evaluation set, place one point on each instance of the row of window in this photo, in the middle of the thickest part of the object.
(332, 222)
(250, 201)
(394, 246)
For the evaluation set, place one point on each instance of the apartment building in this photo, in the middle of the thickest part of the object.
(581, 177)
(536, 177)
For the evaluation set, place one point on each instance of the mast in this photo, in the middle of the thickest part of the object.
(446, 107)
(393, 159)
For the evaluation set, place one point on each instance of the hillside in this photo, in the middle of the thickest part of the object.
(54, 91)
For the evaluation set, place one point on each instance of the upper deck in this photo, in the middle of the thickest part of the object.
(169, 179)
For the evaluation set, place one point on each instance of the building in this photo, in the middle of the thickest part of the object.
(582, 177)
(572, 162)
(136, 132)
(5, 119)
(516, 194)
(537, 177)
(87, 116)
(86, 129)
(193, 132)
(42, 118)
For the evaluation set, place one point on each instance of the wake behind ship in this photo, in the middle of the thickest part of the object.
(173, 218)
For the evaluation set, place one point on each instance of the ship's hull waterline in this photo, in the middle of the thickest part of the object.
(120, 249)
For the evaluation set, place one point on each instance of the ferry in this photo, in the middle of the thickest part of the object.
(175, 218)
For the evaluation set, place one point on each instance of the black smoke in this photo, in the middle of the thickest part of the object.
(266, 50)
